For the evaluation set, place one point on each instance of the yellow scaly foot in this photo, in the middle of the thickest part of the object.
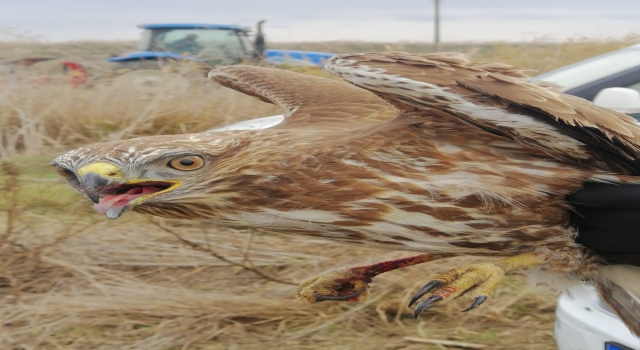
(477, 281)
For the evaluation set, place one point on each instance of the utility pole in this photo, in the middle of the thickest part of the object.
(436, 31)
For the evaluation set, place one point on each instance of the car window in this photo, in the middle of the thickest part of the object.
(595, 68)
(635, 86)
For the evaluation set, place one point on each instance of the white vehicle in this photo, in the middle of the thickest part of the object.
(587, 78)
(583, 322)
(252, 124)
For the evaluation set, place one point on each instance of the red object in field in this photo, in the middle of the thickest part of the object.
(77, 72)
(29, 61)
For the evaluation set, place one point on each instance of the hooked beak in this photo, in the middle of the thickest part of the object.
(113, 195)
(93, 183)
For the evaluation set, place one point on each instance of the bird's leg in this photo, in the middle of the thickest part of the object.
(477, 281)
(351, 284)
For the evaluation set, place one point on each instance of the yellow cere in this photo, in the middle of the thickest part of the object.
(107, 170)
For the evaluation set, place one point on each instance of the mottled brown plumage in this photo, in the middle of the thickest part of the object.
(462, 158)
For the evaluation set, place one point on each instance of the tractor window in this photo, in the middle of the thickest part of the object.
(145, 41)
(210, 44)
(247, 43)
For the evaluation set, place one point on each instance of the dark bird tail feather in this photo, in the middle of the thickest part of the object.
(622, 294)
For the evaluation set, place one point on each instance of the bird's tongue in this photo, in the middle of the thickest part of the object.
(113, 205)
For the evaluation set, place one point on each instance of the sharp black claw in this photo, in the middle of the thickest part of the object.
(479, 300)
(320, 298)
(426, 305)
(424, 290)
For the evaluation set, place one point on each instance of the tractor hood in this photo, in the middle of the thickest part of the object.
(297, 58)
(151, 55)
(274, 57)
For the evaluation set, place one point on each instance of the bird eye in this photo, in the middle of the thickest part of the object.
(186, 163)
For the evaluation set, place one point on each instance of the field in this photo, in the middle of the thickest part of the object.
(71, 279)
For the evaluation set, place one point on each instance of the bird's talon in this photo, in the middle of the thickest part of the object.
(424, 290)
(477, 302)
(426, 304)
(339, 285)
(477, 280)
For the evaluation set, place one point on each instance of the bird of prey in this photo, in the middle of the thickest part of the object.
(420, 152)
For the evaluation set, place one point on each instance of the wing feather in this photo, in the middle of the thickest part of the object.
(305, 98)
(499, 99)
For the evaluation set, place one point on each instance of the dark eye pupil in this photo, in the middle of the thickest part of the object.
(186, 162)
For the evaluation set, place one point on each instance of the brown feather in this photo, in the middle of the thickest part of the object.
(466, 159)
(305, 98)
(605, 133)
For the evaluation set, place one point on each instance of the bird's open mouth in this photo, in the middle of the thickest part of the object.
(113, 200)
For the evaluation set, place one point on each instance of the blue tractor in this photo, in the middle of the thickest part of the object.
(214, 44)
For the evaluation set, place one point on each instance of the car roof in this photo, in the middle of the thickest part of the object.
(595, 68)
(193, 26)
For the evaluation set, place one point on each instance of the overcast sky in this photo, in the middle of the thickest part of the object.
(303, 20)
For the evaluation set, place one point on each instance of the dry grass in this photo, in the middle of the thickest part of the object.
(83, 51)
(70, 279)
(36, 116)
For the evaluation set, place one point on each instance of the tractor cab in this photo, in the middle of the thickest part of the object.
(212, 44)
(209, 43)
(222, 44)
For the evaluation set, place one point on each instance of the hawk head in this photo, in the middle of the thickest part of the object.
(158, 171)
